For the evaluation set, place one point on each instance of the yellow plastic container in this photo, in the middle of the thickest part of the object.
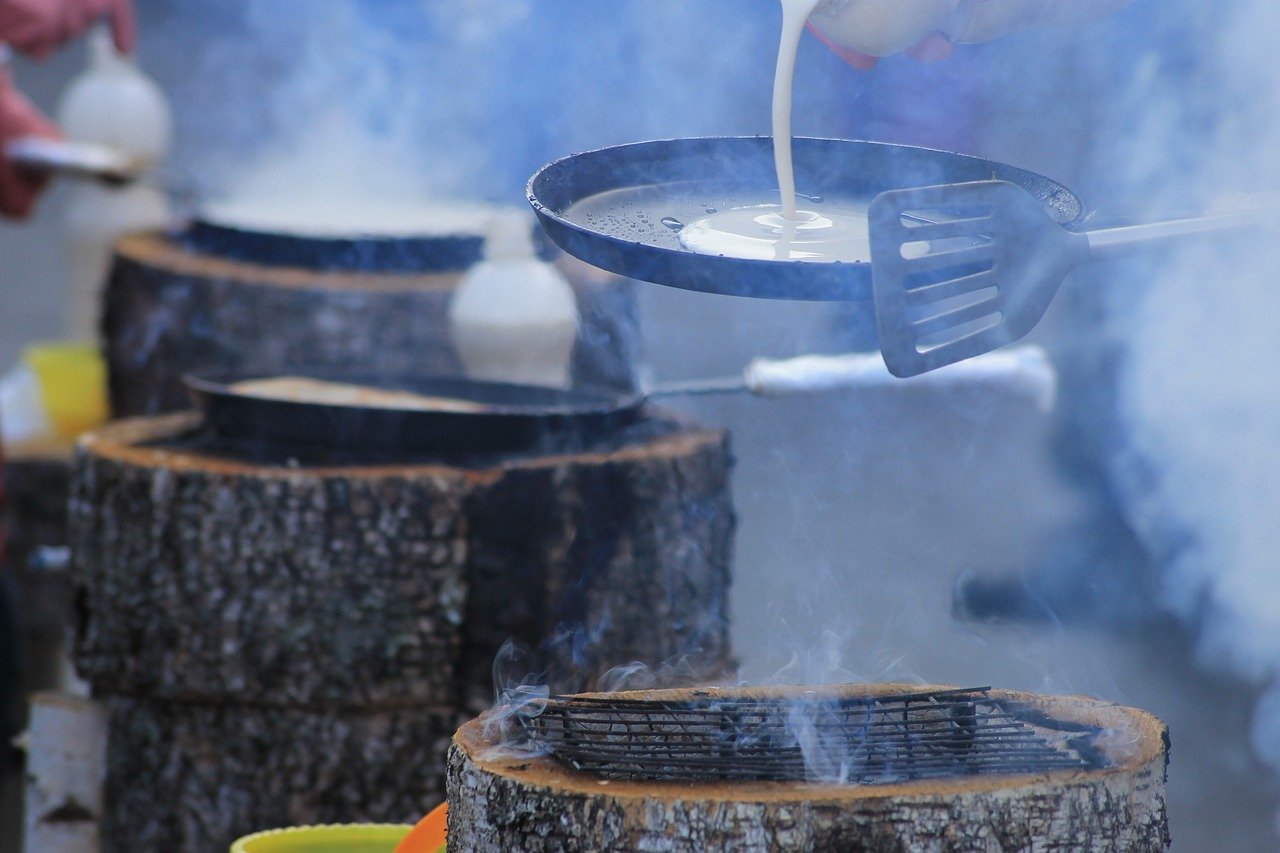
(73, 379)
(346, 838)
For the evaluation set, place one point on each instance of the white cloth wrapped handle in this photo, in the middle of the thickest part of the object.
(1026, 369)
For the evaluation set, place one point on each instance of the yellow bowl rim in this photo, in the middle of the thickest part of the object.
(238, 846)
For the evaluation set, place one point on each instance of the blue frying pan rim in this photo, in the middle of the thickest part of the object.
(738, 276)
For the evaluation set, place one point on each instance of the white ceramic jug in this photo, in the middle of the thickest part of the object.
(514, 318)
(112, 103)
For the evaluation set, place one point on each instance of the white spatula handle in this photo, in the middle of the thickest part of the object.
(1108, 243)
(812, 374)
(1026, 369)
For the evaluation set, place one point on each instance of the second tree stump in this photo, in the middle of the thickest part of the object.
(503, 799)
(245, 620)
(169, 310)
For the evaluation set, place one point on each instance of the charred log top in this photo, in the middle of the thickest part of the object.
(181, 442)
(160, 251)
(502, 800)
(1137, 739)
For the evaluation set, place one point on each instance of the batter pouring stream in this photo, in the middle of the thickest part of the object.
(794, 14)
(757, 229)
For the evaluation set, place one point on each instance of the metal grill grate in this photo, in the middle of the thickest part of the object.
(863, 740)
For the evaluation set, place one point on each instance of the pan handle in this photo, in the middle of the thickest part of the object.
(1116, 242)
(1026, 369)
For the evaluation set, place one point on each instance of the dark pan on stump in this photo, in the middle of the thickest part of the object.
(506, 417)
(367, 253)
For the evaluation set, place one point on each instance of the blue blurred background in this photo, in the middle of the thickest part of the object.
(882, 534)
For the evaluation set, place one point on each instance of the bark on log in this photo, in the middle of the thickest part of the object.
(207, 579)
(508, 801)
(194, 778)
(614, 557)
(285, 645)
(212, 580)
(170, 311)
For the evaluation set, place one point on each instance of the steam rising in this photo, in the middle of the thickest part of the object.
(1199, 396)
(423, 99)
(456, 99)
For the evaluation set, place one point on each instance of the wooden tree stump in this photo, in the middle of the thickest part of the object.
(620, 556)
(501, 800)
(208, 579)
(184, 777)
(294, 644)
(170, 311)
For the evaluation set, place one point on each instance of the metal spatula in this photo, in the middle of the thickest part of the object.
(962, 269)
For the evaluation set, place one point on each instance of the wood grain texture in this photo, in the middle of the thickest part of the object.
(212, 580)
(505, 801)
(192, 778)
(283, 644)
(270, 586)
(169, 311)
(602, 561)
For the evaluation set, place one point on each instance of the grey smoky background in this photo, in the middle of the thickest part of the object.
(1124, 545)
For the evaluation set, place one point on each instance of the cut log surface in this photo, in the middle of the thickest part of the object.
(208, 579)
(194, 778)
(170, 311)
(502, 800)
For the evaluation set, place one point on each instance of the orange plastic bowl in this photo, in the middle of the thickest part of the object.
(430, 835)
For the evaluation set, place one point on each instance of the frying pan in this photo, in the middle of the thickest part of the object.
(214, 231)
(508, 417)
(607, 207)
(213, 234)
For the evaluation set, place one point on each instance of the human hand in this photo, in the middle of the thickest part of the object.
(974, 21)
(38, 27)
(932, 48)
(19, 187)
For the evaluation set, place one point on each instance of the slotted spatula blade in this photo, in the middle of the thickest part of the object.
(962, 269)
